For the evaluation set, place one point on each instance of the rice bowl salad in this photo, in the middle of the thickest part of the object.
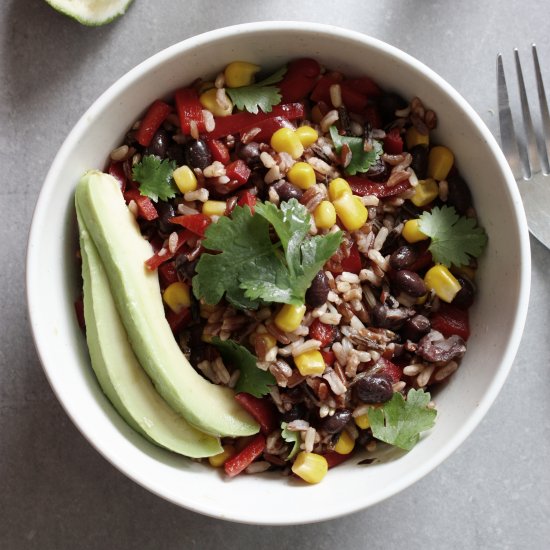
(315, 256)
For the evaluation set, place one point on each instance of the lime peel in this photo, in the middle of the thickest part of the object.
(92, 13)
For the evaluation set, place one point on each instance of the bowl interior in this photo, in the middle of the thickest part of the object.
(497, 318)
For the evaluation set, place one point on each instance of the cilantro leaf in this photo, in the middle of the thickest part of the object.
(454, 238)
(252, 380)
(291, 437)
(262, 95)
(155, 178)
(399, 421)
(361, 160)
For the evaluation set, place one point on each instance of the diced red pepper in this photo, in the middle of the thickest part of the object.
(364, 85)
(352, 263)
(242, 460)
(328, 357)
(189, 109)
(116, 169)
(267, 128)
(246, 198)
(393, 142)
(158, 259)
(154, 117)
(299, 79)
(79, 311)
(391, 369)
(423, 261)
(146, 209)
(238, 170)
(262, 410)
(363, 186)
(334, 459)
(322, 332)
(167, 274)
(373, 116)
(196, 223)
(451, 320)
(321, 92)
(178, 321)
(234, 124)
(353, 99)
(219, 150)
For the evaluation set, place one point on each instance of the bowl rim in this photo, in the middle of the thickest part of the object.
(164, 55)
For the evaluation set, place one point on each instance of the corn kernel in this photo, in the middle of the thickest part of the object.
(310, 363)
(351, 211)
(219, 460)
(413, 137)
(425, 192)
(208, 101)
(324, 215)
(307, 135)
(302, 175)
(177, 296)
(185, 179)
(411, 231)
(206, 85)
(442, 282)
(345, 444)
(289, 317)
(285, 140)
(338, 187)
(440, 162)
(214, 208)
(362, 421)
(240, 73)
(311, 467)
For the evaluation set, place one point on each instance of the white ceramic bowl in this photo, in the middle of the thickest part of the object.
(497, 317)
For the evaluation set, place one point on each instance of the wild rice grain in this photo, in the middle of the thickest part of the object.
(424, 377)
(445, 371)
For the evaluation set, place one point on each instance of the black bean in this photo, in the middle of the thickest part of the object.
(415, 327)
(434, 347)
(287, 191)
(419, 161)
(196, 344)
(159, 144)
(317, 293)
(388, 104)
(197, 154)
(250, 153)
(374, 388)
(378, 171)
(378, 315)
(297, 412)
(403, 257)
(459, 194)
(336, 423)
(184, 268)
(176, 152)
(465, 296)
(364, 437)
(165, 211)
(409, 282)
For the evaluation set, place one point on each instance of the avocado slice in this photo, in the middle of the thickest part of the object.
(120, 375)
(123, 251)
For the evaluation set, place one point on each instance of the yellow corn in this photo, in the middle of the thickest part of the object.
(414, 137)
(362, 421)
(345, 444)
(324, 215)
(289, 317)
(310, 363)
(206, 85)
(177, 296)
(307, 135)
(351, 211)
(214, 208)
(185, 179)
(219, 460)
(285, 140)
(411, 232)
(302, 175)
(240, 73)
(425, 192)
(440, 162)
(311, 467)
(442, 282)
(337, 188)
(208, 101)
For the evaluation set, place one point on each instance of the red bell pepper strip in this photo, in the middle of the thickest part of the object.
(334, 459)
(451, 320)
(372, 114)
(242, 460)
(178, 321)
(391, 369)
(246, 198)
(189, 109)
(268, 127)
(393, 142)
(219, 150)
(299, 79)
(233, 124)
(146, 209)
(158, 259)
(116, 170)
(328, 357)
(154, 117)
(263, 411)
(354, 100)
(167, 274)
(352, 263)
(196, 223)
(363, 186)
(363, 85)
(238, 170)
(322, 332)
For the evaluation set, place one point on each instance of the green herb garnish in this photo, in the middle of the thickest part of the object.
(361, 160)
(155, 178)
(291, 437)
(454, 238)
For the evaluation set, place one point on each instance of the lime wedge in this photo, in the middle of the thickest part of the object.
(91, 12)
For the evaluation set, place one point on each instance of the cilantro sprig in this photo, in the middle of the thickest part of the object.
(361, 160)
(261, 95)
(454, 238)
(155, 178)
(291, 437)
(399, 422)
(252, 380)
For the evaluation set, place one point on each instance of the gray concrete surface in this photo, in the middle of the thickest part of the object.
(56, 492)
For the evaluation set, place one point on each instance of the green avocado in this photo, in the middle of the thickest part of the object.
(120, 375)
(123, 251)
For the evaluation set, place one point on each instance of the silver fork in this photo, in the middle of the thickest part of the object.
(528, 156)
